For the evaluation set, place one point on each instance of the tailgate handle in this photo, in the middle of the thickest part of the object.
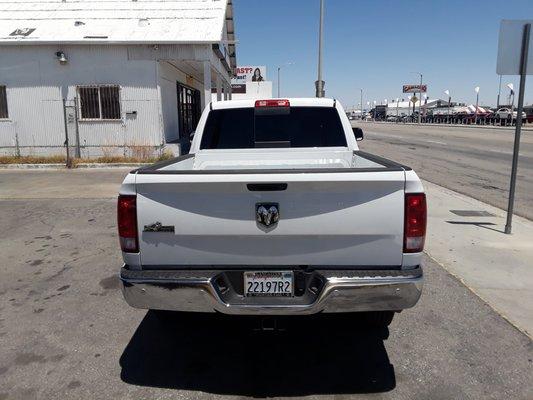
(266, 187)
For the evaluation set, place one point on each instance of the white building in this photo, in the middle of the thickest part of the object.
(403, 108)
(134, 75)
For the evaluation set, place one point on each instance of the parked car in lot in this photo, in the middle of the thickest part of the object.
(507, 113)
(393, 118)
(275, 210)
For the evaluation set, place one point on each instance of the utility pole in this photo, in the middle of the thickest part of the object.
(319, 84)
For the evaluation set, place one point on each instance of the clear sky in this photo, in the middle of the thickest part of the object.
(376, 45)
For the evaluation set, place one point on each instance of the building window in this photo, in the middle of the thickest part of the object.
(188, 109)
(3, 103)
(99, 102)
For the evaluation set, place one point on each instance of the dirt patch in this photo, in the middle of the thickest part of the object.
(110, 282)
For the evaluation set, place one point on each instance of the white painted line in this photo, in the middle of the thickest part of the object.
(436, 141)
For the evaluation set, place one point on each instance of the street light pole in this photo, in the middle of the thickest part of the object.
(477, 102)
(420, 99)
(361, 104)
(279, 68)
(397, 104)
(319, 84)
(279, 76)
(447, 92)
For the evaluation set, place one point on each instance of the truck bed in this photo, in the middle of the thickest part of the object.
(337, 207)
(269, 161)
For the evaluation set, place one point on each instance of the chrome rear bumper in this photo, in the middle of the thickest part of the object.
(329, 291)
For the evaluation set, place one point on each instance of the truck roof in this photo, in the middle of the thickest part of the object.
(294, 101)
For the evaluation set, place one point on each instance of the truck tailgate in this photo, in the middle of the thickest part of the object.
(326, 219)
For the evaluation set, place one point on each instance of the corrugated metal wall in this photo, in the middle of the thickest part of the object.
(37, 83)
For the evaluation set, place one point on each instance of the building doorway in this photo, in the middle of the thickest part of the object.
(188, 110)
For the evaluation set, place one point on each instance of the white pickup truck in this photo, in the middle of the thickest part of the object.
(275, 210)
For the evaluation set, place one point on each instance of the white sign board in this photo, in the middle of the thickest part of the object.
(510, 48)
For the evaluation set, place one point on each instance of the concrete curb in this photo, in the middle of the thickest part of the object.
(111, 165)
(78, 166)
(504, 128)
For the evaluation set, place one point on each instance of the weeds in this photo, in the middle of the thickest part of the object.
(32, 159)
(107, 159)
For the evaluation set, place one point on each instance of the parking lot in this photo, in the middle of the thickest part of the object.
(67, 333)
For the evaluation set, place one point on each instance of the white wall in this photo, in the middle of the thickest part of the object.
(36, 84)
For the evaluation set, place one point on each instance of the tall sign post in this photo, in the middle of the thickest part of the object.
(415, 89)
(513, 59)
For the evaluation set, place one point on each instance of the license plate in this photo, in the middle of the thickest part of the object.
(268, 283)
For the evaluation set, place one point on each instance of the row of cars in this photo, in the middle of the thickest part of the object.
(501, 116)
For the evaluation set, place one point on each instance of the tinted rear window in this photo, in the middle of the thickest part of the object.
(242, 128)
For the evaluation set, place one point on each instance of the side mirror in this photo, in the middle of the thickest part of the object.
(191, 135)
(358, 133)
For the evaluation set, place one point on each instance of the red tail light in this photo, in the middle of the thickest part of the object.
(272, 103)
(415, 222)
(127, 223)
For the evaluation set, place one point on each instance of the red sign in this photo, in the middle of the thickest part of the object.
(415, 88)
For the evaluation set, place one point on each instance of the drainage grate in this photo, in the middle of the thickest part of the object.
(472, 213)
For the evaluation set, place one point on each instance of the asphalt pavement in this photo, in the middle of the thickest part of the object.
(65, 331)
(470, 160)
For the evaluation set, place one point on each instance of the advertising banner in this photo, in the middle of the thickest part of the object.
(250, 73)
(247, 73)
(415, 88)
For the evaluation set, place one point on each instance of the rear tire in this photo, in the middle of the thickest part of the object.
(378, 319)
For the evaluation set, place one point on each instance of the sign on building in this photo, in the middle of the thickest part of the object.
(415, 88)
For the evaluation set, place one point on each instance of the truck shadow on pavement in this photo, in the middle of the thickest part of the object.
(220, 354)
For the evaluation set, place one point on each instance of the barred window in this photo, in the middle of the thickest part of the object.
(3, 103)
(99, 102)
